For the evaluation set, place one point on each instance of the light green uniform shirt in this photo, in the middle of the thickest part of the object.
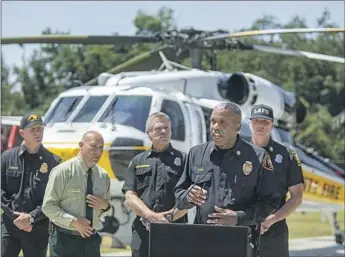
(65, 193)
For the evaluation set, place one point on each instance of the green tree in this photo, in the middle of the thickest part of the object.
(147, 24)
(12, 102)
(54, 68)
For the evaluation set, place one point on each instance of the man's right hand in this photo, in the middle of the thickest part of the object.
(196, 195)
(28, 228)
(82, 225)
(158, 217)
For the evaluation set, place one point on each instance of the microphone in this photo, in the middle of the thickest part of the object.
(171, 217)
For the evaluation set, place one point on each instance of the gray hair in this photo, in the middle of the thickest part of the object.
(235, 109)
(154, 116)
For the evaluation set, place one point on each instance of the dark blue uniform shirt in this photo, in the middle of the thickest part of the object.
(24, 177)
(153, 176)
(288, 172)
(240, 179)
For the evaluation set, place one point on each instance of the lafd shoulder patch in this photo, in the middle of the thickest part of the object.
(267, 163)
(295, 156)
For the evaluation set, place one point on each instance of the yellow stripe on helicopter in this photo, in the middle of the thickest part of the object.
(68, 150)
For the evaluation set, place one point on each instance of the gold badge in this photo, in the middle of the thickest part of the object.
(247, 168)
(33, 117)
(44, 168)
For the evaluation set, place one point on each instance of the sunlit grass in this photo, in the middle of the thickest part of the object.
(311, 224)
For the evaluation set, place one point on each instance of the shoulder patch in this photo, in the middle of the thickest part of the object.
(295, 156)
(267, 163)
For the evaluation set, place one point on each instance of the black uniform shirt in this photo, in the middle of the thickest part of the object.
(235, 179)
(287, 167)
(288, 172)
(24, 177)
(153, 176)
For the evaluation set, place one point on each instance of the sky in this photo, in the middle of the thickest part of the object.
(29, 18)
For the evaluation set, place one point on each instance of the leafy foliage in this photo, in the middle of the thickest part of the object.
(54, 68)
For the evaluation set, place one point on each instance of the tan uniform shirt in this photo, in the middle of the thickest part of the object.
(64, 197)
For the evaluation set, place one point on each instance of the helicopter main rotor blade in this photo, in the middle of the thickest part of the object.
(86, 40)
(310, 55)
(274, 31)
(145, 61)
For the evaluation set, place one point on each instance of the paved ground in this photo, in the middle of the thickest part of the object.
(316, 247)
(306, 247)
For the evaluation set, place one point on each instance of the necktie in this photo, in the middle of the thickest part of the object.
(89, 210)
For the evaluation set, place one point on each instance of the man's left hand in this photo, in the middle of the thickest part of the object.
(270, 220)
(22, 221)
(222, 217)
(97, 202)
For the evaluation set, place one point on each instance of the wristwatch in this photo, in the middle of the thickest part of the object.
(31, 219)
(106, 209)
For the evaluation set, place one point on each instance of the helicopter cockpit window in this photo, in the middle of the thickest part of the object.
(173, 110)
(90, 108)
(63, 109)
(129, 110)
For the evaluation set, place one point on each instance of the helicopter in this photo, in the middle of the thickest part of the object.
(118, 101)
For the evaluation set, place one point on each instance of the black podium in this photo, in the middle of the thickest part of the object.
(189, 240)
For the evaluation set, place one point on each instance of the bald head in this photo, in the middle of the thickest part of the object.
(91, 135)
(91, 148)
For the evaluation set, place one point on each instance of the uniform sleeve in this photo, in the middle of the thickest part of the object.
(5, 199)
(183, 184)
(295, 175)
(37, 213)
(53, 195)
(130, 181)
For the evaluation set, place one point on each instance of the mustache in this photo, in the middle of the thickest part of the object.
(217, 131)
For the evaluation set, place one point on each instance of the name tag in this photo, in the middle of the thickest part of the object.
(74, 190)
(142, 166)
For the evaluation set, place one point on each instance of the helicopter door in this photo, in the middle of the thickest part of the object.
(178, 124)
(197, 132)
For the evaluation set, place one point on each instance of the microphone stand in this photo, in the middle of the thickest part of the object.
(171, 217)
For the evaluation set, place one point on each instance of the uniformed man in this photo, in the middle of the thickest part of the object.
(76, 197)
(289, 178)
(152, 176)
(224, 178)
(24, 175)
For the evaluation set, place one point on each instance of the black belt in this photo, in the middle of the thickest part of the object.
(67, 231)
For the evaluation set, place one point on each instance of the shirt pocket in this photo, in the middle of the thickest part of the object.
(13, 179)
(242, 186)
(202, 179)
(172, 175)
(144, 176)
(40, 181)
